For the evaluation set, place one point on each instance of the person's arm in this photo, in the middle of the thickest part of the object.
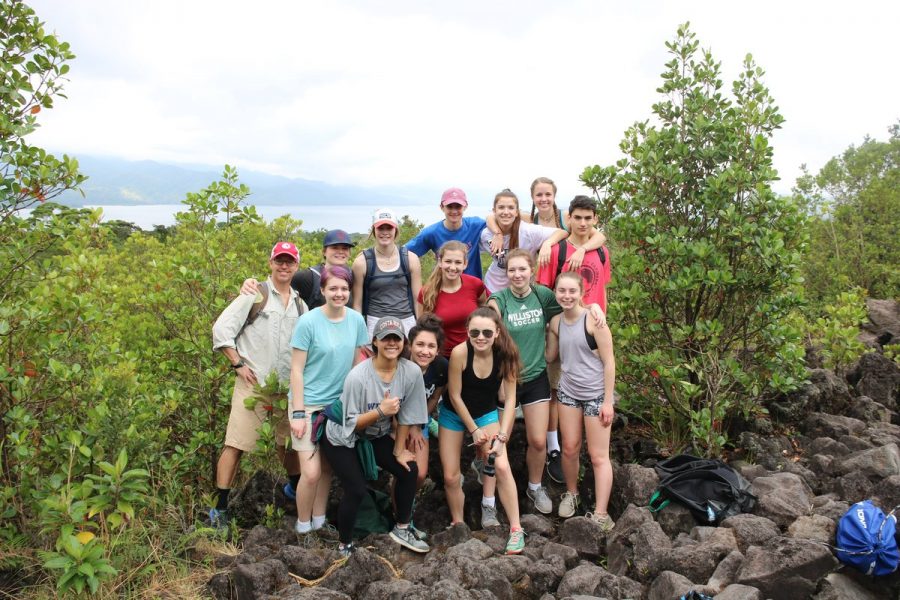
(597, 314)
(498, 445)
(525, 216)
(497, 235)
(557, 236)
(597, 239)
(415, 275)
(603, 337)
(387, 408)
(250, 286)
(359, 276)
(493, 304)
(298, 364)
(435, 398)
(226, 330)
(551, 349)
(421, 244)
(454, 386)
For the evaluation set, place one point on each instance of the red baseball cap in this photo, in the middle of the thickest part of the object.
(454, 196)
(285, 248)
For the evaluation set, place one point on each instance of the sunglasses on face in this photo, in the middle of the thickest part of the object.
(487, 333)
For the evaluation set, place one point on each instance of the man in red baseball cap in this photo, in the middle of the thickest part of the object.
(256, 347)
(454, 227)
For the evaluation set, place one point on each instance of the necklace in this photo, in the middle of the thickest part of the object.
(388, 255)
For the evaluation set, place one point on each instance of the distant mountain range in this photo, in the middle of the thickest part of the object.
(113, 181)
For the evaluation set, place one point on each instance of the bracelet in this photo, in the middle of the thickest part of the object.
(502, 437)
(474, 430)
(298, 414)
(380, 412)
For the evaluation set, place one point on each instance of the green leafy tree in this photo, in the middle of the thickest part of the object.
(708, 256)
(853, 235)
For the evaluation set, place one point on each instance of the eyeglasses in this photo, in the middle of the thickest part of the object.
(487, 333)
(285, 261)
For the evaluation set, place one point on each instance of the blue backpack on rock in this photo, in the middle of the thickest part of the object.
(866, 539)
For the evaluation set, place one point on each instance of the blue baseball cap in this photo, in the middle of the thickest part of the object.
(337, 237)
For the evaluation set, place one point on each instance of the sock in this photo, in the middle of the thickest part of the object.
(303, 526)
(552, 442)
(294, 480)
(399, 526)
(318, 522)
(222, 502)
(485, 501)
(534, 486)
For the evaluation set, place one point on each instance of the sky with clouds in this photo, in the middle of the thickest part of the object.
(428, 94)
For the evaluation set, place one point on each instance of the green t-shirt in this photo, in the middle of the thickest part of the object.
(527, 318)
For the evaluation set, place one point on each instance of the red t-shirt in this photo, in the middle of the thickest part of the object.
(593, 271)
(454, 308)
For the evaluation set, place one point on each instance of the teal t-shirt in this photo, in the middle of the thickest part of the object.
(526, 319)
(330, 350)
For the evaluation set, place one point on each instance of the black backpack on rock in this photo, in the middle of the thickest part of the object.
(709, 488)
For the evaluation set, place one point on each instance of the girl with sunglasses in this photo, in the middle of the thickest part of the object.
(478, 368)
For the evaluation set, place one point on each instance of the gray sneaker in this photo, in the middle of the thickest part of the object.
(604, 521)
(541, 499)
(489, 516)
(407, 538)
(568, 504)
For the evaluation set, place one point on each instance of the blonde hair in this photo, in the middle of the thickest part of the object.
(432, 287)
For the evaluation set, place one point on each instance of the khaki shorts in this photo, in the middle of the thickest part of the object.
(306, 443)
(243, 424)
(553, 372)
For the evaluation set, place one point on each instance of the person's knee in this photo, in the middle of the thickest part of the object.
(537, 441)
(600, 459)
(451, 480)
(571, 448)
(310, 476)
(503, 470)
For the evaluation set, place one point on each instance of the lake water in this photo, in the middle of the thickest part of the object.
(351, 218)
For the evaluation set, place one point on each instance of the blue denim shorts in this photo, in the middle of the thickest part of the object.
(450, 420)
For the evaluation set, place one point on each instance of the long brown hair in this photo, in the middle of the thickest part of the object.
(549, 182)
(514, 229)
(432, 287)
(505, 349)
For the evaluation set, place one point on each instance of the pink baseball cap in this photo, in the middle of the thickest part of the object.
(454, 196)
(285, 248)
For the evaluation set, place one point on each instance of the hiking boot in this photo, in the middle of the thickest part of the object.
(554, 466)
(516, 542)
(407, 539)
(568, 505)
(489, 516)
(345, 550)
(541, 499)
(219, 519)
(478, 467)
(604, 521)
(289, 492)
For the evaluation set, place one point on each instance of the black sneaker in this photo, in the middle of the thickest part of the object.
(554, 466)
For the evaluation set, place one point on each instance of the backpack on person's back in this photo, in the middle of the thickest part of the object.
(709, 488)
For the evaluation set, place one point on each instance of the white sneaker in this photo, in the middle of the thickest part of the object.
(541, 499)
(604, 521)
(568, 504)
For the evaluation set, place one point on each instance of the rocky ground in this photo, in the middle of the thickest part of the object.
(830, 444)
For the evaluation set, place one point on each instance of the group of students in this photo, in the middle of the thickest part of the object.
(366, 381)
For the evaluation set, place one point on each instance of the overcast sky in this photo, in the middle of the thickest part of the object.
(428, 94)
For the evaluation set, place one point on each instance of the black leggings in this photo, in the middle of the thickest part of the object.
(345, 465)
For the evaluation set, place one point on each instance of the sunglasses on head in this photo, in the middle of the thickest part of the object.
(487, 333)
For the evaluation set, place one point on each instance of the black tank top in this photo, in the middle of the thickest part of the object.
(479, 395)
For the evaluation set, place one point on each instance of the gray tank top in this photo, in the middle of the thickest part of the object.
(388, 294)
(582, 370)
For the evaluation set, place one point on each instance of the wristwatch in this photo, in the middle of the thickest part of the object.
(238, 365)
